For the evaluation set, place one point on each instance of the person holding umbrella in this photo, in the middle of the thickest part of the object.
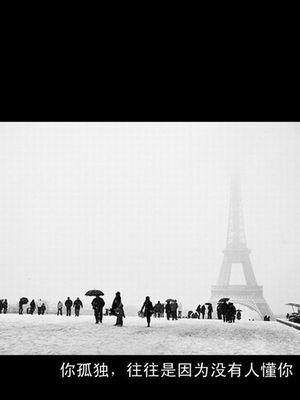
(148, 307)
(97, 304)
(23, 300)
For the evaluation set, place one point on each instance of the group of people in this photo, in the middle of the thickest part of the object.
(172, 309)
(77, 304)
(228, 312)
(3, 306)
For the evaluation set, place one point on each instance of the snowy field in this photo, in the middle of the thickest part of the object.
(50, 334)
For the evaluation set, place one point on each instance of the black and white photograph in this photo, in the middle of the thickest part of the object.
(151, 239)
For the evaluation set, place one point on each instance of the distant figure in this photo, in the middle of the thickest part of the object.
(198, 310)
(174, 307)
(59, 308)
(4, 306)
(209, 311)
(39, 306)
(157, 309)
(68, 304)
(43, 309)
(219, 311)
(162, 310)
(287, 316)
(190, 314)
(20, 307)
(32, 307)
(77, 304)
(148, 307)
(168, 310)
(118, 310)
(98, 304)
(238, 315)
(179, 310)
(116, 302)
(1, 306)
(203, 311)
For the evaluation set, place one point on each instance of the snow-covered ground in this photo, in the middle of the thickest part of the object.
(51, 334)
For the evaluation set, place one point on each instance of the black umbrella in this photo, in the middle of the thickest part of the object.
(239, 310)
(223, 300)
(207, 304)
(24, 300)
(94, 292)
(170, 300)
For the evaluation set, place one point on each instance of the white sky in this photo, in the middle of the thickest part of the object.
(142, 208)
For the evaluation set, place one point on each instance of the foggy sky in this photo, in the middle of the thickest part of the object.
(142, 208)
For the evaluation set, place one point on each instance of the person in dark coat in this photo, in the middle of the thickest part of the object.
(4, 306)
(168, 310)
(32, 307)
(198, 309)
(77, 304)
(174, 306)
(98, 304)
(68, 304)
(219, 311)
(119, 312)
(209, 311)
(203, 311)
(162, 310)
(116, 302)
(238, 315)
(117, 309)
(43, 309)
(148, 307)
(20, 307)
(1, 306)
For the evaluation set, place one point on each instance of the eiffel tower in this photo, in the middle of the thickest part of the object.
(237, 252)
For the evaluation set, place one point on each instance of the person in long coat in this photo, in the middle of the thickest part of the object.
(98, 304)
(77, 304)
(20, 307)
(32, 306)
(203, 311)
(5, 306)
(68, 304)
(39, 306)
(43, 309)
(148, 307)
(198, 309)
(118, 309)
(116, 303)
(168, 310)
(174, 306)
(209, 311)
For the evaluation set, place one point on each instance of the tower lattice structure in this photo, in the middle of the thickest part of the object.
(237, 252)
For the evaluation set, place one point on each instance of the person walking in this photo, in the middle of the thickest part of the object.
(174, 307)
(21, 307)
(148, 307)
(43, 309)
(162, 310)
(198, 310)
(1, 306)
(68, 304)
(59, 308)
(77, 304)
(39, 305)
(4, 306)
(203, 311)
(168, 310)
(120, 314)
(32, 307)
(209, 311)
(98, 304)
